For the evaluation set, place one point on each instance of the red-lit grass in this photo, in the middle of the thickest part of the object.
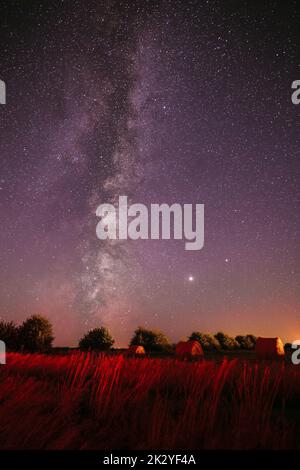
(85, 401)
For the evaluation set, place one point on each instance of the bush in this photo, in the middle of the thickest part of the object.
(246, 342)
(98, 339)
(152, 340)
(9, 333)
(226, 341)
(35, 334)
(207, 341)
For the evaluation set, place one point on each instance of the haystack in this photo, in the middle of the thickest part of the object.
(269, 348)
(135, 350)
(189, 349)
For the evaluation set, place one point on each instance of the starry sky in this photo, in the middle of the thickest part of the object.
(171, 101)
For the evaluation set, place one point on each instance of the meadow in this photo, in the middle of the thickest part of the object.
(90, 401)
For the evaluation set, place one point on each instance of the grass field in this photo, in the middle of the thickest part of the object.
(85, 401)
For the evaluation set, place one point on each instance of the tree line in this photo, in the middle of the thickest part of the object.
(35, 334)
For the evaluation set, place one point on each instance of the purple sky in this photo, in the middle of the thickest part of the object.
(186, 102)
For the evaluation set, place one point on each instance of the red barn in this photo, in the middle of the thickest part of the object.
(136, 350)
(269, 348)
(189, 349)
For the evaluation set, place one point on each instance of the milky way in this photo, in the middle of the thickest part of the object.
(185, 102)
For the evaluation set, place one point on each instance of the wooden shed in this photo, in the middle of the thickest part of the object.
(269, 348)
(189, 349)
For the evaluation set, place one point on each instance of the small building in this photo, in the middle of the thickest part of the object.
(269, 348)
(135, 350)
(189, 350)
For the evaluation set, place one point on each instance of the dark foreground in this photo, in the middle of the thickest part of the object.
(84, 401)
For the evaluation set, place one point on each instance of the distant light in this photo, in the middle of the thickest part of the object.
(191, 278)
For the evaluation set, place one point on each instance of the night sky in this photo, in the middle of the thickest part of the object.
(186, 102)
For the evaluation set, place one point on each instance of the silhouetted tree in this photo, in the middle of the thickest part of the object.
(226, 341)
(246, 342)
(9, 333)
(35, 334)
(207, 341)
(152, 340)
(98, 339)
